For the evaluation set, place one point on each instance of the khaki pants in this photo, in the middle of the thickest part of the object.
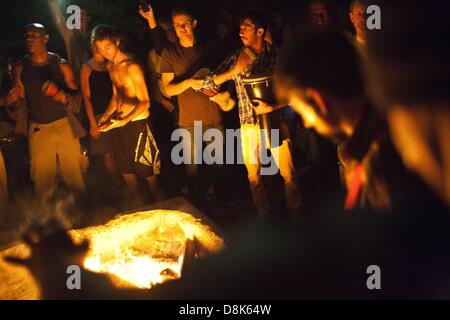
(51, 144)
(251, 150)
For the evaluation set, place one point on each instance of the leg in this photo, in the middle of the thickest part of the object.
(155, 188)
(133, 193)
(70, 158)
(193, 178)
(43, 151)
(283, 159)
(111, 168)
(250, 139)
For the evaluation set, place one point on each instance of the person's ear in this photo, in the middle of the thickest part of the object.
(46, 38)
(350, 15)
(194, 24)
(260, 32)
(317, 100)
(117, 42)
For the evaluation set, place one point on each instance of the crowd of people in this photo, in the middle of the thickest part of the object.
(368, 110)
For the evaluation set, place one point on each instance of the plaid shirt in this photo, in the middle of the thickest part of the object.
(263, 65)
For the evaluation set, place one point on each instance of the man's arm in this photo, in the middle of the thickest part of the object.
(86, 92)
(70, 97)
(58, 17)
(112, 107)
(18, 90)
(158, 36)
(175, 89)
(140, 86)
(137, 77)
(149, 16)
(233, 66)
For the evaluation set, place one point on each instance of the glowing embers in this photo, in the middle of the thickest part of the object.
(145, 248)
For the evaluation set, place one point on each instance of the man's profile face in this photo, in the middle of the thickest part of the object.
(107, 48)
(35, 40)
(312, 118)
(320, 15)
(183, 25)
(248, 33)
(358, 18)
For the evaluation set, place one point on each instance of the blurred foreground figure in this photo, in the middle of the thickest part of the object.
(324, 85)
(409, 71)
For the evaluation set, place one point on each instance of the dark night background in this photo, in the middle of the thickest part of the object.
(123, 14)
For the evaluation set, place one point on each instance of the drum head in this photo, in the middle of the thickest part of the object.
(259, 88)
(202, 73)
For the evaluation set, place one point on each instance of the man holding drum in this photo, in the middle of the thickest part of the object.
(257, 58)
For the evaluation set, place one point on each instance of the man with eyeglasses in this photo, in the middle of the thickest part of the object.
(179, 63)
(44, 86)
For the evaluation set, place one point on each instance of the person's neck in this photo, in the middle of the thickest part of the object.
(258, 46)
(187, 42)
(361, 36)
(39, 57)
(354, 109)
(120, 56)
(99, 64)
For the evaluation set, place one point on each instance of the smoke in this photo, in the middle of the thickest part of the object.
(29, 209)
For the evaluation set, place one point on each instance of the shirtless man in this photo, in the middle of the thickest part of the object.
(136, 153)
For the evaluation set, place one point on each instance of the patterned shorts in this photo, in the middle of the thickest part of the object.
(136, 151)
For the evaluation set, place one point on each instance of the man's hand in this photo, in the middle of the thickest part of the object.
(262, 107)
(13, 95)
(61, 97)
(224, 100)
(94, 132)
(210, 92)
(149, 16)
(195, 84)
(114, 123)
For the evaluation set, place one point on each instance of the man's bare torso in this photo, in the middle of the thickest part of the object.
(126, 91)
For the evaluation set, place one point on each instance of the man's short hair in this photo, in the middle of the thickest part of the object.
(103, 32)
(322, 60)
(182, 11)
(36, 26)
(258, 18)
(354, 3)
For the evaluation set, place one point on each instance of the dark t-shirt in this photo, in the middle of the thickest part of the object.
(43, 109)
(194, 106)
